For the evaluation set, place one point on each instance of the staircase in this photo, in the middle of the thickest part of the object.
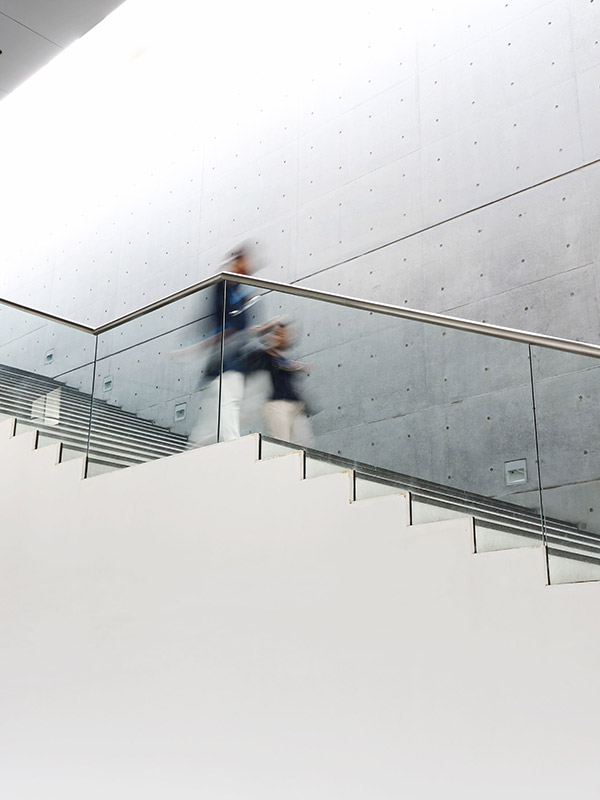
(62, 414)
(573, 555)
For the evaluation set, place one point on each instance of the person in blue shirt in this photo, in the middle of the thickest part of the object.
(230, 309)
(237, 299)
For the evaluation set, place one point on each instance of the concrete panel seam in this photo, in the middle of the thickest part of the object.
(447, 220)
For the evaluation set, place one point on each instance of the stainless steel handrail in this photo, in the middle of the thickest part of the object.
(45, 315)
(484, 328)
(165, 301)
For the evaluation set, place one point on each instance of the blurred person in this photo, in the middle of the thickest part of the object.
(230, 305)
(285, 411)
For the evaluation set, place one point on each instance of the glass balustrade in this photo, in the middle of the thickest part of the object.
(445, 413)
(46, 373)
(566, 392)
(152, 386)
(468, 423)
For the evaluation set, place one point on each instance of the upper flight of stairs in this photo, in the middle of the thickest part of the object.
(62, 414)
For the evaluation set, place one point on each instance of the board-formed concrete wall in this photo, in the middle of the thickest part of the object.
(437, 160)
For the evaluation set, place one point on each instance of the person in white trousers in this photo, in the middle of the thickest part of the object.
(230, 305)
(285, 411)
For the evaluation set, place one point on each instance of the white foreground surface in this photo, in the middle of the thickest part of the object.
(210, 627)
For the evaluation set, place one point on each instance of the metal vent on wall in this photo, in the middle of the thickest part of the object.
(515, 472)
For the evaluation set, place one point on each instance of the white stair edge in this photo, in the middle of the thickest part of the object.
(364, 489)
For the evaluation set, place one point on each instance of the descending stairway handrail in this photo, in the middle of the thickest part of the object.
(376, 307)
(69, 323)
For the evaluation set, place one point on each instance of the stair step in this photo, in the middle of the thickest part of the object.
(116, 447)
(570, 567)
(574, 555)
(81, 416)
(490, 538)
(364, 488)
(101, 432)
(315, 468)
(71, 398)
(422, 513)
(273, 449)
(118, 438)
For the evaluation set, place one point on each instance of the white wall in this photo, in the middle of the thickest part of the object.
(208, 626)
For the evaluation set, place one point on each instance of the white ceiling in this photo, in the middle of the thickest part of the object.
(32, 32)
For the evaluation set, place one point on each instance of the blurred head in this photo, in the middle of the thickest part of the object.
(280, 337)
(239, 262)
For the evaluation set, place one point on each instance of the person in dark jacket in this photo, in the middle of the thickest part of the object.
(285, 411)
(230, 312)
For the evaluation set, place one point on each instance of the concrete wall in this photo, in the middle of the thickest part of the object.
(437, 159)
(443, 160)
(210, 626)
